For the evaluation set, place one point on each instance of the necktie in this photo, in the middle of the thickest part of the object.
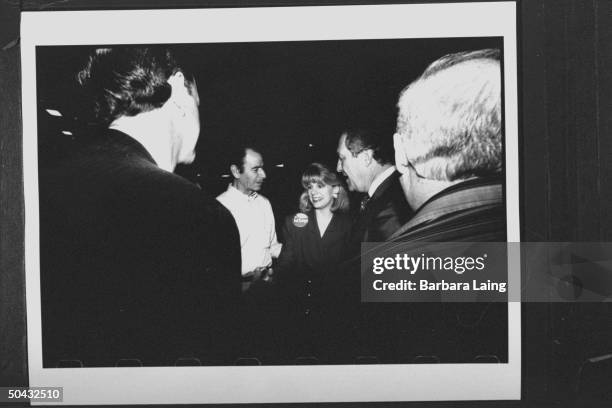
(364, 203)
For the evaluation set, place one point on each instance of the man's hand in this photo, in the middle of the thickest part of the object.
(260, 273)
(260, 276)
(268, 275)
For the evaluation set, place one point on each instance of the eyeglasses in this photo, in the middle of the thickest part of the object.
(414, 170)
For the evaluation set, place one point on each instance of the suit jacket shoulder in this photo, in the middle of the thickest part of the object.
(472, 211)
(122, 238)
(387, 210)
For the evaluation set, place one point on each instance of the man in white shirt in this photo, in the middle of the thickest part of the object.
(253, 215)
(365, 158)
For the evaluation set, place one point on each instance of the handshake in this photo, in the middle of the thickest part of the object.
(262, 275)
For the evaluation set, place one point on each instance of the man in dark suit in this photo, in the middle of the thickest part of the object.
(365, 159)
(137, 263)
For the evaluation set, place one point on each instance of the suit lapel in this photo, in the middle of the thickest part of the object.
(376, 202)
(376, 199)
(383, 187)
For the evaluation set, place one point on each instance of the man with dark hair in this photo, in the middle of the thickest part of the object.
(258, 246)
(366, 160)
(253, 214)
(126, 81)
(137, 263)
(448, 148)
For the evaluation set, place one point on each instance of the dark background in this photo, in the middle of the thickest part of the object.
(565, 70)
(291, 100)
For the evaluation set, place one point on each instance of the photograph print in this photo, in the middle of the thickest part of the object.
(218, 228)
(204, 204)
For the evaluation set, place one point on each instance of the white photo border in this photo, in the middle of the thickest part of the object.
(259, 384)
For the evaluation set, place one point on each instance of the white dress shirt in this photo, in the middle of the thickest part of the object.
(379, 179)
(255, 221)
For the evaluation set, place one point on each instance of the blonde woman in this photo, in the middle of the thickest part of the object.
(317, 240)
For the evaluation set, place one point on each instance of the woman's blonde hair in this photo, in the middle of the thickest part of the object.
(321, 174)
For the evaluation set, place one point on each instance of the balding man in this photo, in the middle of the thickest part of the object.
(365, 157)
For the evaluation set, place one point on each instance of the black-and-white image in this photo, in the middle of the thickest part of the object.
(205, 204)
(201, 205)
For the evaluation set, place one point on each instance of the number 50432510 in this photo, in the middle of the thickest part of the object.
(43, 394)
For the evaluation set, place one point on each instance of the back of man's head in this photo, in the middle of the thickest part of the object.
(449, 121)
(126, 81)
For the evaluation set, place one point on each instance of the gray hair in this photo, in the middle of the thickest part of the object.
(449, 119)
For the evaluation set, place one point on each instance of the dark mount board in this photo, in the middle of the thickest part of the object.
(13, 368)
(565, 116)
(34, 5)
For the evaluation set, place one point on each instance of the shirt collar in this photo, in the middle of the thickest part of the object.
(126, 143)
(378, 180)
(240, 195)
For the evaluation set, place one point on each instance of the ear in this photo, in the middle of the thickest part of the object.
(367, 156)
(177, 79)
(180, 89)
(407, 181)
(176, 82)
(401, 163)
(335, 191)
(235, 171)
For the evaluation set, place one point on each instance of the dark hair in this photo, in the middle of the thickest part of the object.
(375, 139)
(237, 155)
(126, 81)
(321, 174)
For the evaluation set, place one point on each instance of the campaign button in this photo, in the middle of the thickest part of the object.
(300, 220)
